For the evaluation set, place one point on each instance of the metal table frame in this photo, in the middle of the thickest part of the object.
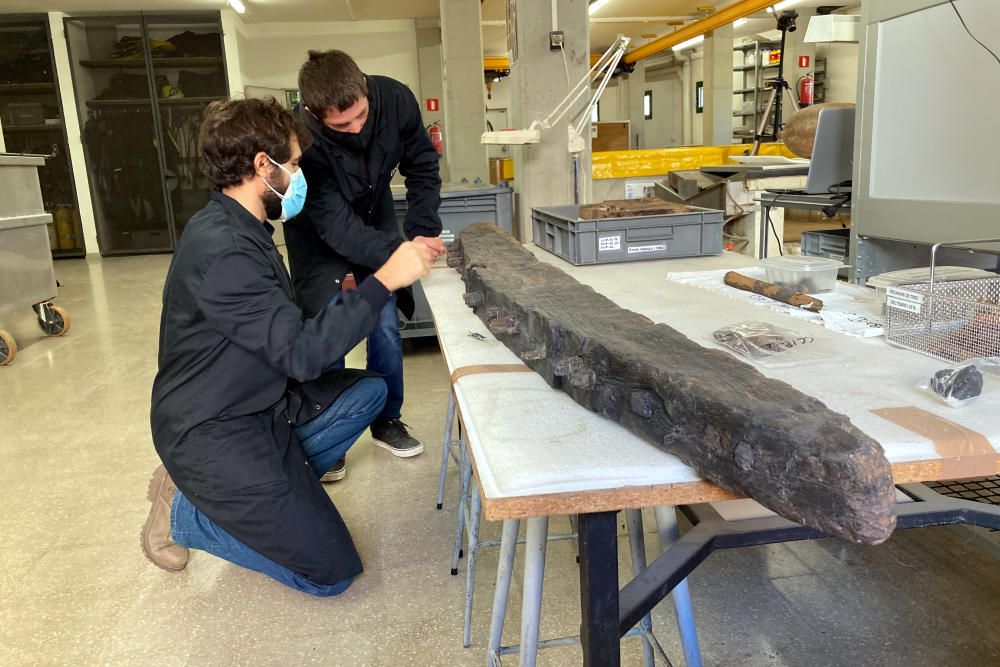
(608, 613)
(769, 200)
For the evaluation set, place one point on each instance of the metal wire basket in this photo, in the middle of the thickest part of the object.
(953, 321)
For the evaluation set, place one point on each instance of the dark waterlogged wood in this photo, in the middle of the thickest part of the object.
(627, 208)
(745, 432)
(772, 291)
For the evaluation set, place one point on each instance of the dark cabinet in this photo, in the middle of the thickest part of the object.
(142, 82)
(33, 122)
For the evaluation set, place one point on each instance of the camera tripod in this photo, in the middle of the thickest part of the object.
(786, 24)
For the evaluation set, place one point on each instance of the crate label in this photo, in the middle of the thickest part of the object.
(905, 295)
(606, 243)
(656, 247)
(902, 304)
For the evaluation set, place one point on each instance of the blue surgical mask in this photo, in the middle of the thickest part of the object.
(294, 197)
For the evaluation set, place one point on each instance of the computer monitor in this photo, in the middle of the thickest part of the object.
(833, 151)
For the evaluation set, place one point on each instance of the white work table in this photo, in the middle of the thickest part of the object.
(537, 452)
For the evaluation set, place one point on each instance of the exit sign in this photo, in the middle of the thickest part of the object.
(433, 104)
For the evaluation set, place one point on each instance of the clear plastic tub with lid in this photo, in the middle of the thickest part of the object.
(807, 275)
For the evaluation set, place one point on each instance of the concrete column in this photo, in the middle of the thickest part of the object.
(431, 79)
(64, 67)
(543, 172)
(464, 103)
(231, 23)
(636, 82)
(718, 62)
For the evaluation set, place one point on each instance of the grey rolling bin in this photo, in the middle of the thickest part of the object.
(461, 206)
(27, 278)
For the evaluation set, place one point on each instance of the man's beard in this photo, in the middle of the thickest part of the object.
(272, 206)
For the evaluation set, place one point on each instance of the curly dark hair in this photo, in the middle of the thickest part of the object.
(331, 80)
(234, 131)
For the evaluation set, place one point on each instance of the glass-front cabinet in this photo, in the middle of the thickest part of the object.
(142, 82)
(33, 122)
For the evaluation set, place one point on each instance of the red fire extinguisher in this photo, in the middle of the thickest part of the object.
(806, 88)
(437, 137)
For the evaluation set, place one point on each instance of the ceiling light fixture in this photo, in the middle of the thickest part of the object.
(738, 22)
(238, 6)
(596, 5)
(785, 4)
(694, 41)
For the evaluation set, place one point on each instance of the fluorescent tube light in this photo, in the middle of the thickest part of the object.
(238, 6)
(784, 4)
(694, 41)
(595, 5)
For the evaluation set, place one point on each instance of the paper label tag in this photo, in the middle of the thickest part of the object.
(606, 243)
(636, 249)
(902, 304)
(447, 236)
(905, 295)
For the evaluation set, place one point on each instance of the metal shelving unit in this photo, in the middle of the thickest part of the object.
(142, 81)
(750, 95)
(32, 108)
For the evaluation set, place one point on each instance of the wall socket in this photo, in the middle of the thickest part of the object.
(556, 40)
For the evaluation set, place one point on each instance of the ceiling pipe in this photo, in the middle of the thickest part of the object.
(720, 18)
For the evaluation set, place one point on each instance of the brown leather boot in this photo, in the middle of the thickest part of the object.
(162, 551)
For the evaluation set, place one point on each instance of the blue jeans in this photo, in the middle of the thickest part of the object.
(385, 356)
(325, 440)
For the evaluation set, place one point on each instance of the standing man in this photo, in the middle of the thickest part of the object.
(364, 128)
(249, 406)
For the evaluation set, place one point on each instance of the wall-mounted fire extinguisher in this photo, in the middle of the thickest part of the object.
(806, 88)
(437, 137)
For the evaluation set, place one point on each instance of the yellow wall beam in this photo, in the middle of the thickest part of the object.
(692, 30)
(661, 161)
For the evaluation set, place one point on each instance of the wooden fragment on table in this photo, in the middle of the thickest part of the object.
(626, 208)
(747, 433)
(772, 291)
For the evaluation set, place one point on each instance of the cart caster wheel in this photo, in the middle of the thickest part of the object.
(8, 348)
(56, 321)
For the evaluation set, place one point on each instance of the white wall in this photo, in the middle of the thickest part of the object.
(271, 54)
(664, 77)
(841, 71)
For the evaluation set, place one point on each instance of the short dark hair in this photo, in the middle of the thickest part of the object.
(331, 80)
(234, 131)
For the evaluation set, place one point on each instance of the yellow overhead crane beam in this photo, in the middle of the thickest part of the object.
(709, 23)
(718, 19)
(502, 62)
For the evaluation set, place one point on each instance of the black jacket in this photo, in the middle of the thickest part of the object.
(234, 349)
(348, 223)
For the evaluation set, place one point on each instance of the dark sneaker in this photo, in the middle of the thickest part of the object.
(392, 435)
(336, 473)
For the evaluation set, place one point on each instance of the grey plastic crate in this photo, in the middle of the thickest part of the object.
(461, 206)
(560, 230)
(834, 244)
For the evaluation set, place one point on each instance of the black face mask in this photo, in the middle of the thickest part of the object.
(356, 143)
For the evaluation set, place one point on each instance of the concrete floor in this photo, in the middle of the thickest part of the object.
(76, 590)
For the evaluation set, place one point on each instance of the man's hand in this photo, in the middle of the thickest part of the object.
(435, 244)
(407, 265)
